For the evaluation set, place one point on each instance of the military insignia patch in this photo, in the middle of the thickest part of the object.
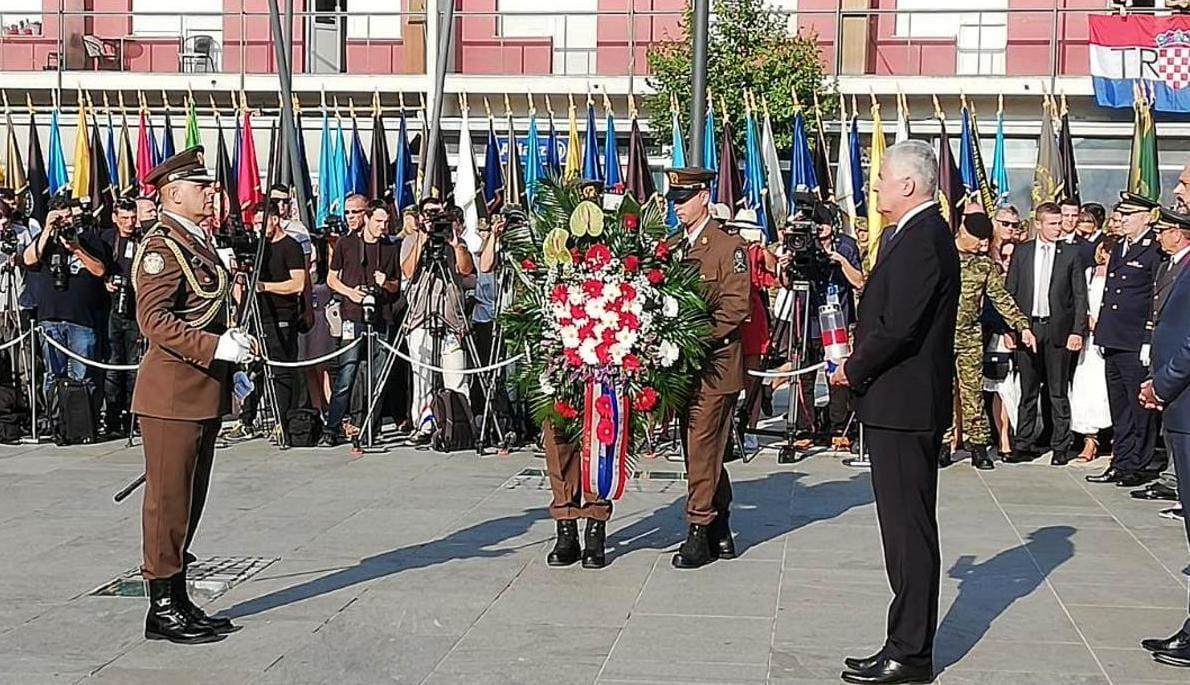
(153, 263)
(740, 261)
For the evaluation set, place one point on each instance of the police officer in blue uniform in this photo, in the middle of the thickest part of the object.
(1120, 331)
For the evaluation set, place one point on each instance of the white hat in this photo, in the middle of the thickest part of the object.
(748, 225)
(720, 211)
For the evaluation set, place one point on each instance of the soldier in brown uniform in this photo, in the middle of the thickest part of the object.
(722, 261)
(182, 388)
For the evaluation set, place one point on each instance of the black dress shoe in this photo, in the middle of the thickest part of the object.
(1111, 475)
(858, 664)
(695, 552)
(165, 621)
(722, 543)
(1020, 457)
(566, 550)
(594, 542)
(889, 672)
(218, 624)
(980, 458)
(1156, 492)
(1180, 658)
(1061, 458)
(1171, 644)
(1133, 480)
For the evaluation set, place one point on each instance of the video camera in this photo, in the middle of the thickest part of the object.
(9, 244)
(242, 242)
(333, 226)
(67, 228)
(800, 237)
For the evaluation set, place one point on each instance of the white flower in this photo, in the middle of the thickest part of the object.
(610, 319)
(595, 308)
(574, 294)
(669, 306)
(544, 382)
(586, 352)
(667, 353)
(569, 336)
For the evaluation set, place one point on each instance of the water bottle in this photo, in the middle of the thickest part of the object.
(822, 390)
(836, 346)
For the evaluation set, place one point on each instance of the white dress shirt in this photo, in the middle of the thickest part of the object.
(1178, 256)
(693, 233)
(191, 227)
(910, 214)
(1043, 271)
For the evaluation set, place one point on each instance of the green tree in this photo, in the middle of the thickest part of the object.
(751, 48)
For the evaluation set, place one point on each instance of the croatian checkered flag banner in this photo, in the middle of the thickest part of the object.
(1141, 48)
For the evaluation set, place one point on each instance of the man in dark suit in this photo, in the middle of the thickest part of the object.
(1169, 390)
(902, 371)
(1047, 280)
(1120, 331)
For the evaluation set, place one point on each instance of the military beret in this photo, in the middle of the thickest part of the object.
(978, 225)
(187, 165)
(686, 182)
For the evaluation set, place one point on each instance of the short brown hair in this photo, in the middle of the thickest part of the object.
(1045, 209)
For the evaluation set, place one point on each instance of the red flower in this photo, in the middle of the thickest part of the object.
(630, 321)
(662, 250)
(599, 254)
(609, 336)
(603, 405)
(576, 255)
(559, 294)
(631, 263)
(646, 399)
(593, 288)
(655, 276)
(627, 292)
(631, 222)
(631, 363)
(573, 358)
(565, 410)
(577, 313)
(603, 355)
(528, 264)
(587, 330)
(606, 432)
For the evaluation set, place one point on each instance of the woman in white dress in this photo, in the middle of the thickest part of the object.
(1089, 412)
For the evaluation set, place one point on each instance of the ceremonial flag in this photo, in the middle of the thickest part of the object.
(144, 153)
(903, 128)
(513, 176)
(113, 164)
(423, 153)
(876, 222)
(778, 203)
(403, 175)
(822, 164)
(1143, 178)
(611, 155)
(950, 184)
(591, 169)
(856, 166)
(102, 198)
(999, 162)
(467, 195)
(226, 199)
(306, 212)
(710, 150)
(440, 184)
(640, 179)
(381, 178)
(342, 180)
(844, 187)
(574, 159)
(248, 174)
(326, 173)
(730, 191)
(553, 162)
(987, 196)
(677, 157)
(82, 155)
(754, 173)
(1129, 48)
(1047, 174)
(56, 174)
(1066, 154)
(14, 166)
(126, 161)
(36, 177)
(235, 146)
(967, 154)
(167, 137)
(802, 175)
(357, 170)
(193, 137)
(493, 174)
(533, 167)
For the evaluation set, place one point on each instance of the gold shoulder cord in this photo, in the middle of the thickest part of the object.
(220, 291)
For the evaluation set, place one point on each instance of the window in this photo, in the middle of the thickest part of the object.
(573, 35)
(981, 36)
(201, 33)
(20, 16)
(373, 19)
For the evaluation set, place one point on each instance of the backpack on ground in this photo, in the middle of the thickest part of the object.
(304, 427)
(454, 427)
(72, 417)
(14, 415)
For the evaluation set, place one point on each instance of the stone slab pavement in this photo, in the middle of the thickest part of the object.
(413, 567)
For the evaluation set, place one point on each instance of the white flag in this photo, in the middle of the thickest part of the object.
(465, 188)
(778, 204)
(902, 133)
(844, 193)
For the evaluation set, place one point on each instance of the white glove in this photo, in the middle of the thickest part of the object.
(1145, 350)
(234, 346)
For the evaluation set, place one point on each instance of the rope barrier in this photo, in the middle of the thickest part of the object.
(315, 361)
(89, 362)
(439, 369)
(788, 374)
(16, 340)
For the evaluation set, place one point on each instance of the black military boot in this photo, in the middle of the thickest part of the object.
(594, 539)
(980, 458)
(722, 544)
(166, 621)
(217, 624)
(695, 552)
(566, 550)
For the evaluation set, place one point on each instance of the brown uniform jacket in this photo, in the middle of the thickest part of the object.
(181, 307)
(722, 261)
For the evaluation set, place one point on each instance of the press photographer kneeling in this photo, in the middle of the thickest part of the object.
(436, 322)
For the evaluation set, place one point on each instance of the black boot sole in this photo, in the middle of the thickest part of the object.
(594, 562)
(681, 562)
(562, 563)
(200, 640)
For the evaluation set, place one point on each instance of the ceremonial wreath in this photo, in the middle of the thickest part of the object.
(611, 323)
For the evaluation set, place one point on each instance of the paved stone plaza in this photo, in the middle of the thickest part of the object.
(412, 567)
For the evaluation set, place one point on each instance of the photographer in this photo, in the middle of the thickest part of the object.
(123, 334)
(434, 261)
(8, 198)
(68, 261)
(365, 276)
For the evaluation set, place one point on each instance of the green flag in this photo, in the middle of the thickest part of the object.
(1047, 175)
(1149, 178)
(193, 139)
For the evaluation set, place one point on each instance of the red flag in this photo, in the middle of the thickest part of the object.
(248, 174)
(144, 156)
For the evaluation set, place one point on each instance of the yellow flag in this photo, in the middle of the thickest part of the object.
(82, 156)
(875, 219)
(574, 156)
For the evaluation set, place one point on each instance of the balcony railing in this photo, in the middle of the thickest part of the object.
(979, 41)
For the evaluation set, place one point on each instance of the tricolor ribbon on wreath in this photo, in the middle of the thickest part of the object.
(606, 438)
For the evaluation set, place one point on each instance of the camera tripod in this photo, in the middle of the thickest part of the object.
(505, 281)
(14, 327)
(268, 393)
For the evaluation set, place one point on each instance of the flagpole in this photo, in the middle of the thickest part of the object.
(445, 39)
(288, 134)
(698, 96)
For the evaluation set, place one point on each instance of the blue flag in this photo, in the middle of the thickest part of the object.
(326, 175)
(591, 170)
(533, 168)
(802, 177)
(493, 173)
(359, 170)
(967, 156)
(754, 174)
(999, 166)
(677, 160)
(710, 151)
(553, 162)
(611, 156)
(235, 148)
(113, 168)
(403, 176)
(167, 139)
(857, 170)
(339, 164)
(56, 173)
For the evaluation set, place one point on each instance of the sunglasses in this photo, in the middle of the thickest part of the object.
(1008, 224)
(355, 211)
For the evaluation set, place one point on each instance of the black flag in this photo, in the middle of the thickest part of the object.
(39, 185)
(225, 181)
(103, 195)
(640, 178)
(381, 181)
(951, 191)
(1066, 156)
(731, 188)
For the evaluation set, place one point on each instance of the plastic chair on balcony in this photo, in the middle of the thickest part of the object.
(198, 54)
(102, 53)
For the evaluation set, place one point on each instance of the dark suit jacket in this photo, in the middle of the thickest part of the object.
(1068, 289)
(1171, 356)
(1086, 248)
(902, 368)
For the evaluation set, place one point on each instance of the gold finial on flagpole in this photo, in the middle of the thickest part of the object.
(29, 102)
(463, 107)
(487, 106)
(797, 103)
(214, 107)
(507, 106)
(938, 109)
(400, 101)
(549, 107)
(1000, 104)
(532, 107)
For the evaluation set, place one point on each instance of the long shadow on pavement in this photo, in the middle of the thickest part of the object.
(989, 588)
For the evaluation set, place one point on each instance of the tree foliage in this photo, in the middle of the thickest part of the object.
(749, 47)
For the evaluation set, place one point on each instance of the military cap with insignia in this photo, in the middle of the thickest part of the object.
(686, 182)
(1131, 203)
(187, 165)
(1171, 220)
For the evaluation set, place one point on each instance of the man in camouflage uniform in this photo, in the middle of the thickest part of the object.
(980, 276)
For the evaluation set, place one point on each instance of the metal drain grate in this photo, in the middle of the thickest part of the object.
(642, 481)
(206, 578)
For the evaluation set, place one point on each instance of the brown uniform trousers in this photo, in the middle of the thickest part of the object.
(564, 466)
(722, 261)
(181, 390)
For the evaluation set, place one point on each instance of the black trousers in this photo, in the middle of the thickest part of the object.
(281, 342)
(1051, 365)
(124, 347)
(1135, 438)
(905, 479)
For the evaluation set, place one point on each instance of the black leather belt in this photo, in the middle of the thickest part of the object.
(1040, 319)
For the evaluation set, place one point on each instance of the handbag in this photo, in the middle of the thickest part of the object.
(997, 360)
